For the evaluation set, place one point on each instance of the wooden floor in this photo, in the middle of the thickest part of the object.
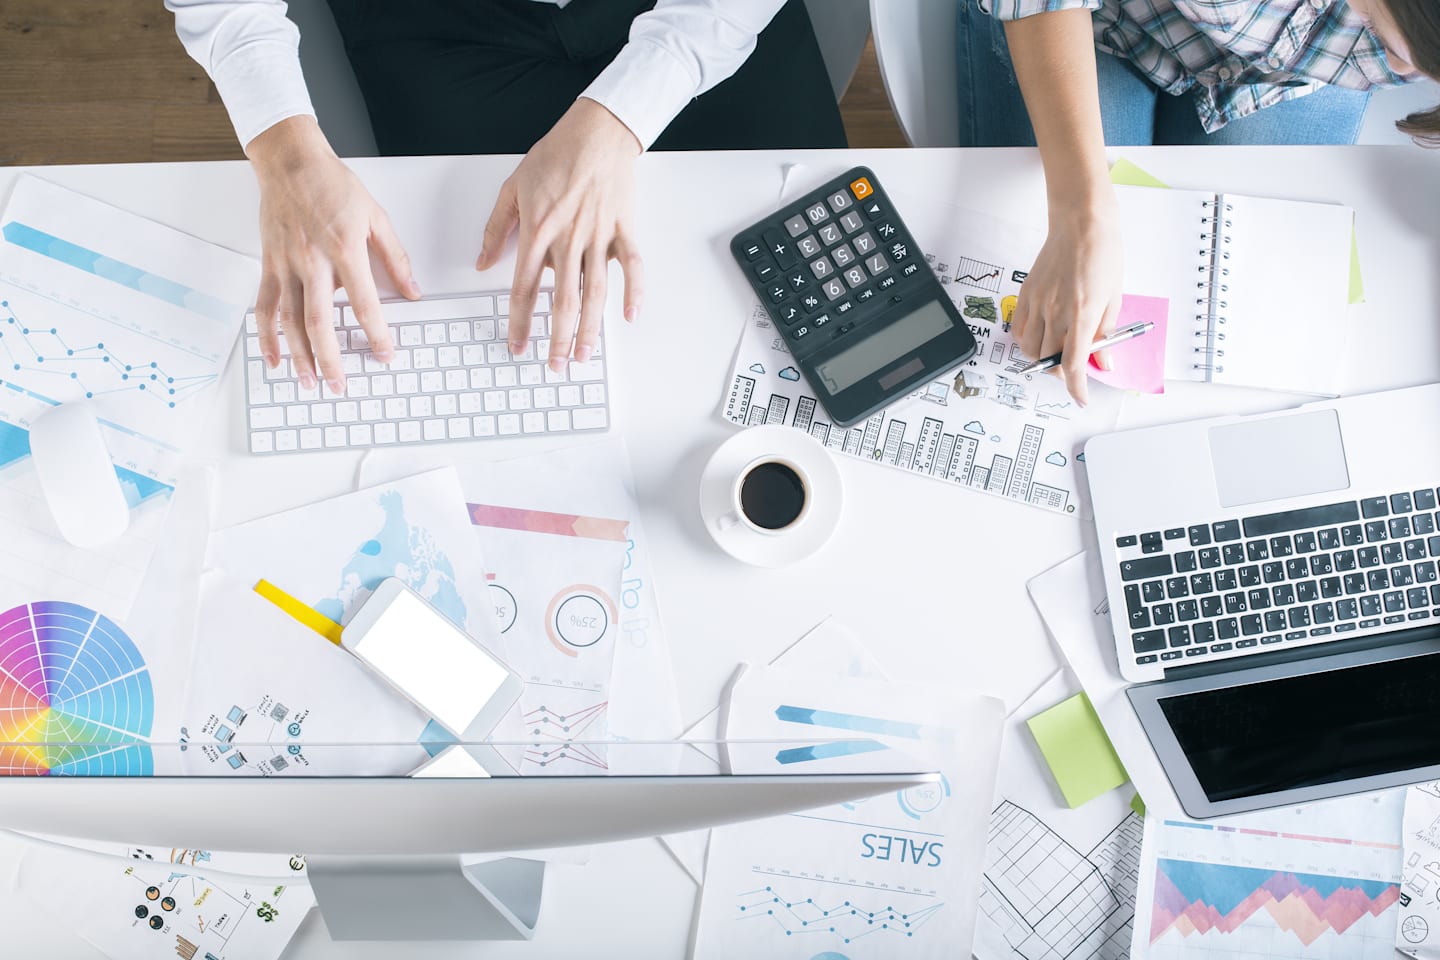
(107, 81)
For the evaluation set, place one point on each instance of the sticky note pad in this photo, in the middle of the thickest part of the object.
(1131, 175)
(1138, 364)
(1077, 751)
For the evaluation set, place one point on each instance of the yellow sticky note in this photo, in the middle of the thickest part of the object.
(1077, 751)
(298, 611)
(1357, 282)
(1127, 173)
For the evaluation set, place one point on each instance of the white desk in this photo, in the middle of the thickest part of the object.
(913, 562)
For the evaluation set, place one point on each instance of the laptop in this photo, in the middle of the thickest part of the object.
(1273, 587)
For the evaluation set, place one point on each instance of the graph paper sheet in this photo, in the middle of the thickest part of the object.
(983, 426)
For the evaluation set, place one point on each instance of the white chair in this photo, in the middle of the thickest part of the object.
(916, 45)
(841, 27)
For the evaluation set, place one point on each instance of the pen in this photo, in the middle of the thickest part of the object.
(1119, 336)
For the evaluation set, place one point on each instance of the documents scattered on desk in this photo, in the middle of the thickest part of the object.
(892, 876)
(102, 306)
(1258, 288)
(1058, 882)
(984, 426)
(1418, 932)
(137, 910)
(1318, 882)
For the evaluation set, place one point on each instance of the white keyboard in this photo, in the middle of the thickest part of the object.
(453, 378)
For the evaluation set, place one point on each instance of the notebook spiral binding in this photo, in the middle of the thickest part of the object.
(1210, 305)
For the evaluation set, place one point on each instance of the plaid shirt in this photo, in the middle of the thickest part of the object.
(1243, 55)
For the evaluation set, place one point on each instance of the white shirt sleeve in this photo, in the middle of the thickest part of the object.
(676, 52)
(252, 52)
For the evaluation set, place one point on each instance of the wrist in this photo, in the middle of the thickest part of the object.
(607, 129)
(1082, 205)
(289, 145)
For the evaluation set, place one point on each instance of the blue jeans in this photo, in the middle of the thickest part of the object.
(1133, 111)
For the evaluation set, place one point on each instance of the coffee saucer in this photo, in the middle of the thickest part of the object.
(747, 545)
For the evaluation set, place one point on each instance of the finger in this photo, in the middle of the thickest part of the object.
(292, 322)
(1020, 319)
(1107, 327)
(592, 303)
(525, 288)
(1077, 360)
(320, 327)
(359, 283)
(624, 250)
(567, 308)
(392, 254)
(503, 220)
(267, 305)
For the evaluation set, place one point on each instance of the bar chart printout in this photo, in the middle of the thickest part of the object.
(1317, 882)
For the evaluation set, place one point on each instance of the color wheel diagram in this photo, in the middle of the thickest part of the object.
(75, 694)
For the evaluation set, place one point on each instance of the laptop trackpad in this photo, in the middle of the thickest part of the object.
(1278, 457)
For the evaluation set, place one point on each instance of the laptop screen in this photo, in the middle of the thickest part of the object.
(1310, 729)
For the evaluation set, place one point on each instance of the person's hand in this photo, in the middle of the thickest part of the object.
(571, 199)
(317, 224)
(1072, 295)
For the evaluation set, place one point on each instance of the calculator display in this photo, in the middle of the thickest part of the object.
(854, 364)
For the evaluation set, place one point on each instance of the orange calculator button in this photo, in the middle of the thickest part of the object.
(861, 188)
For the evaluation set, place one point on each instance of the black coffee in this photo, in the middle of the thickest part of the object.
(772, 495)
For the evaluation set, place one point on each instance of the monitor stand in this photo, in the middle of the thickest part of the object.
(426, 897)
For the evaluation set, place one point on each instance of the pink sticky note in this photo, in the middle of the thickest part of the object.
(1138, 364)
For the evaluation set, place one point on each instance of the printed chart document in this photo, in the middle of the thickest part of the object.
(893, 876)
(1418, 932)
(984, 426)
(1058, 882)
(103, 307)
(131, 909)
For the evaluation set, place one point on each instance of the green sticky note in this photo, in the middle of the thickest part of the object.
(1137, 804)
(1077, 751)
(1130, 175)
(1357, 282)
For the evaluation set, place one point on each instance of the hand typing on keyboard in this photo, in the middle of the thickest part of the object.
(317, 225)
(571, 199)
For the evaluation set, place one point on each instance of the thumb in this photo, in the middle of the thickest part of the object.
(503, 220)
(392, 254)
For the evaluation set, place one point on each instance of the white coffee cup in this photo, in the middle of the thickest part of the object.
(772, 495)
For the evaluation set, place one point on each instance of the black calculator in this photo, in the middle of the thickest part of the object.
(850, 291)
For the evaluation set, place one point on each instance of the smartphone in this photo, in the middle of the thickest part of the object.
(431, 662)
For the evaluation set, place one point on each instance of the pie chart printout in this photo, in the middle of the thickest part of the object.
(75, 695)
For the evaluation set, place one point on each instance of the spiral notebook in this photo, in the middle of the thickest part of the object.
(1258, 288)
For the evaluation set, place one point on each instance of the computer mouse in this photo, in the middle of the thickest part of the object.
(77, 476)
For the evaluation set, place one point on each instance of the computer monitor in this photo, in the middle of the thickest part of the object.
(360, 833)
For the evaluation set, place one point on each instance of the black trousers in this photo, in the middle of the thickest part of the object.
(493, 76)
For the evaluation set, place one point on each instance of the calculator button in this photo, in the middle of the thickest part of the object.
(844, 307)
(830, 235)
(780, 247)
(872, 209)
(865, 294)
(887, 283)
(797, 280)
(811, 302)
(910, 269)
(855, 277)
(864, 244)
(851, 221)
(878, 265)
(764, 270)
(789, 314)
(821, 267)
(777, 292)
(796, 225)
(839, 200)
(886, 230)
(899, 251)
(808, 246)
(821, 321)
(752, 249)
(843, 256)
(799, 332)
(833, 288)
(816, 213)
(861, 188)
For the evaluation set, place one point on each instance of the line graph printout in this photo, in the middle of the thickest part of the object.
(894, 876)
(1059, 883)
(983, 426)
(98, 305)
(1321, 881)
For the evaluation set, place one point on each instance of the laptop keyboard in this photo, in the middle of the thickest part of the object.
(453, 377)
(1243, 585)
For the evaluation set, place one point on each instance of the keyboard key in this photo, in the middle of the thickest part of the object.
(1250, 624)
(509, 424)
(1175, 533)
(1305, 542)
(1329, 539)
(1178, 636)
(1146, 567)
(1344, 560)
(336, 437)
(1274, 621)
(1148, 641)
(1209, 558)
(1297, 568)
(1425, 572)
(1417, 597)
(446, 405)
(1374, 507)
(264, 418)
(1233, 553)
(1225, 530)
(559, 420)
(569, 396)
(1150, 542)
(262, 442)
(1185, 561)
(1272, 572)
(590, 418)
(1257, 550)
(1354, 584)
(1201, 583)
(519, 399)
(312, 438)
(1422, 524)
(1306, 591)
(1375, 531)
(1394, 601)
(1235, 602)
(1399, 527)
(1378, 580)
(433, 429)
(1320, 564)
(1323, 612)
(1226, 580)
(533, 422)
(1281, 546)
(1227, 629)
(1352, 535)
(1249, 576)
(1187, 610)
(1283, 594)
(1347, 609)
(1199, 535)
(1211, 606)
(1289, 520)
(1401, 576)
(1202, 632)
(1401, 503)
(1299, 617)
(590, 370)
(1369, 605)
(1196, 652)
(1258, 598)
